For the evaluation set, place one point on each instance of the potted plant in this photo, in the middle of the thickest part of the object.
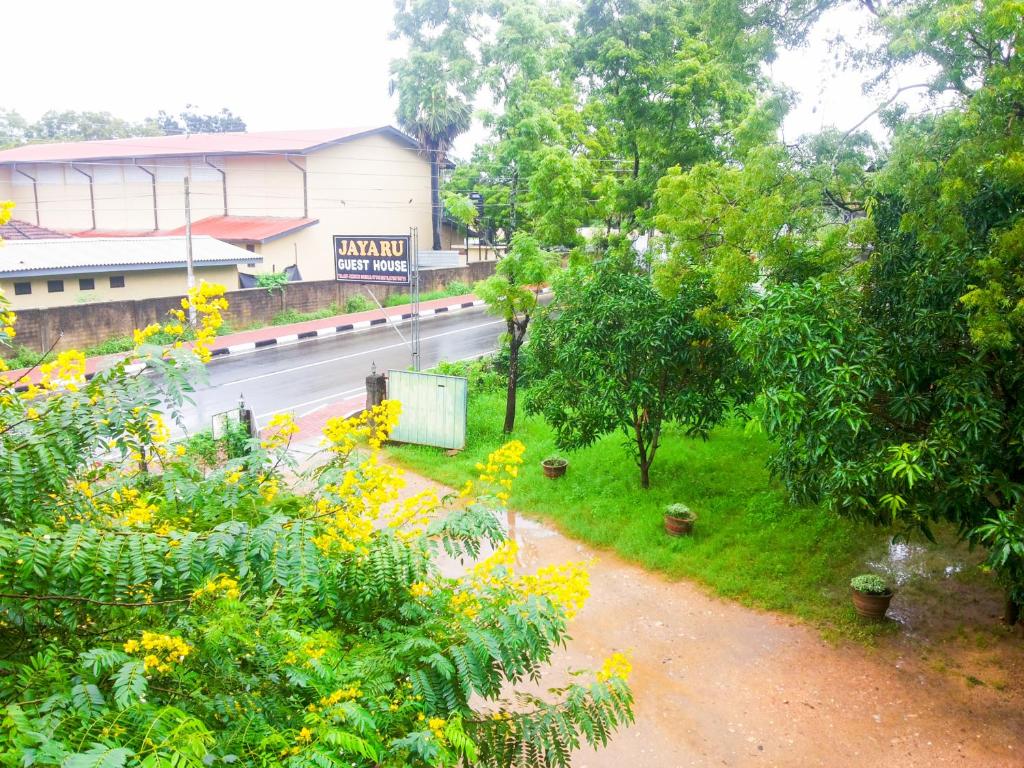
(679, 520)
(554, 466)
(871, 595)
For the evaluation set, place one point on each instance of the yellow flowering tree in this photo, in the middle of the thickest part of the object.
(155, 612)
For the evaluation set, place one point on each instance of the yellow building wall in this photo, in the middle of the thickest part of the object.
(141, 284)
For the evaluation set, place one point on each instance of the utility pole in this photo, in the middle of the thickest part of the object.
(191, 275)
(415, 296)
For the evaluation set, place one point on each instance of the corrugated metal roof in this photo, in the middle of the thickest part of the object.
(246, 229)
(30, 258)
(262, 142)
(22, 230)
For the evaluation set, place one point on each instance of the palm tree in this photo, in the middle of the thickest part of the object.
(434, 112)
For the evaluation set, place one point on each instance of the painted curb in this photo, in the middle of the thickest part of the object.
(322, 333)
(345, 328)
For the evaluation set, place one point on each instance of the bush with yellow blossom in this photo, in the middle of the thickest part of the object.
(158, 611)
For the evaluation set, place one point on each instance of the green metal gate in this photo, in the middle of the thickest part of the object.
(433, 408)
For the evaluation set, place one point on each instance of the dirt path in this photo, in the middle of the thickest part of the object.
(718, 684)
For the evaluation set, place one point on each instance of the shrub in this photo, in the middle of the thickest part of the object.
(481, 374)
(870, 584)
(358, 303)
(457, 288)
(156, 614)
(681, 511)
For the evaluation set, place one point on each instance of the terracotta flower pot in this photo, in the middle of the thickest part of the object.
(679, 526)
(554, 467)
(871, 606)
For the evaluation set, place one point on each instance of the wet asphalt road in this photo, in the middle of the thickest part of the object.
(305, 376)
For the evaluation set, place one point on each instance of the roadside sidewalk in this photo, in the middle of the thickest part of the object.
(281, 335)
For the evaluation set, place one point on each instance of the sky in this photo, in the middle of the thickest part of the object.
(284, 65)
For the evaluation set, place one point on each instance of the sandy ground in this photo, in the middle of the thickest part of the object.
(718, 684)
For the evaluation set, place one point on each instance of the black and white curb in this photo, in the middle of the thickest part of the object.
(321, 333)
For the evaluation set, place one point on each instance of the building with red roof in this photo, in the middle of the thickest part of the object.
(281, 195)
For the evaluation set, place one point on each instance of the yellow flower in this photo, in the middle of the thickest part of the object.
(163, 651)
(419, 589)
(305, 736)
(279, 431)
(617, 666)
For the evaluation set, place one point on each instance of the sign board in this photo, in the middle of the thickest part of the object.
(433, 408)
(372, 258)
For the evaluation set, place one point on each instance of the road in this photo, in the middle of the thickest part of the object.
(305, 376)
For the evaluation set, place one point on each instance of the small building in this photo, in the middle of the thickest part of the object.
(280, 195)
(59, 271)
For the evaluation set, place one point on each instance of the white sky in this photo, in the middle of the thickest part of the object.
(280, 65)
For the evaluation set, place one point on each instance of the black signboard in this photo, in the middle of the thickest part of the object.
(372, 258)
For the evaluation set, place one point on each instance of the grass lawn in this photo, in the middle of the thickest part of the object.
(749, 543)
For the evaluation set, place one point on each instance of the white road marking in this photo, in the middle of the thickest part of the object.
(310, 402)
(354, 354)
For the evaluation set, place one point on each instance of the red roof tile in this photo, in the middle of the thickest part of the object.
(22, 230)
(263, 142)
(246, 229)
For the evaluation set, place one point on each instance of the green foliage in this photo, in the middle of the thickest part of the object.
(157, 612)
(460, 208)
(204, 447)
(752, 546)
(869, 584)
(614, 356)
(436, 81)
(358, 303)
(892, 379)
(70, 125)
(1003, 536)
(272, 281)
(681, 511)
(481, 374)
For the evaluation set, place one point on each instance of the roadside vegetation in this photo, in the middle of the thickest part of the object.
(213, 602)
(749, 544)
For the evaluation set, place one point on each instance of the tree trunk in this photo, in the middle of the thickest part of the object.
(643, 460)
(1011, 612)
(435, 198)
(513, 377)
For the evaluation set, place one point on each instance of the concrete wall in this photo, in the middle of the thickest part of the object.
(85, 325)
(139, 284)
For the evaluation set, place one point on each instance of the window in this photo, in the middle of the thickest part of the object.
(22, 289)
(117, 281)
(55, 286)
(251, 265)
(86, 284)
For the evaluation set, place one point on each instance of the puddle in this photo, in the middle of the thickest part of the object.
(903, 561)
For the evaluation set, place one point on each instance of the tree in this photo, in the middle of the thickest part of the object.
(12, 128)
(436, 83)
(614, 355)
(70, 125)
(190, 614)
(512, 293)
(892, 381)
(189, 120)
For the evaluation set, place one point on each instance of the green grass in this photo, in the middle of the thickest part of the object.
(749, 543)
